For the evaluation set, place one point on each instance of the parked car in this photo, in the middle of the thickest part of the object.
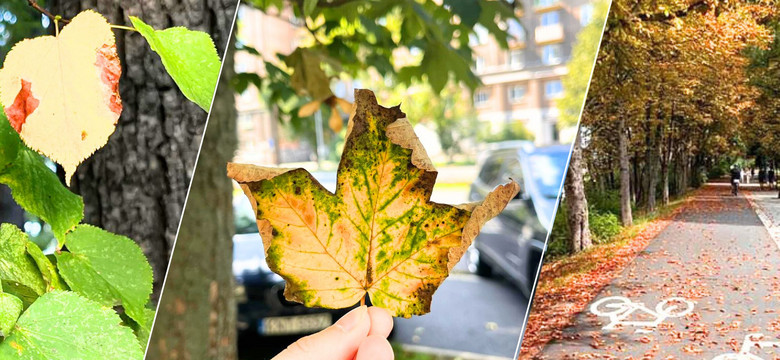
(512, 243)
(263, 312)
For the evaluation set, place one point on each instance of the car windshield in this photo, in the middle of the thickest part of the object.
(547, 173)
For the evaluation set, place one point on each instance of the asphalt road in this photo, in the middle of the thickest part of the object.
(716, 255)
(471, 317)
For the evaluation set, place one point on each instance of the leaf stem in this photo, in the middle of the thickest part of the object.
(363, 300)
(43, 11)
(122, 27)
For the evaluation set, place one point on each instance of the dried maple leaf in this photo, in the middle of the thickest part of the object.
(61, 93)
(379, 234)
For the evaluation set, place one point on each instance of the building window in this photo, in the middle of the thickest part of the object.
(516, 93)
(479, 64)
(552, 54)
(544, 3)
(516, 30)
(516, 59)
(553, 89)
(586, 14)
(481, 98)
(551, 18)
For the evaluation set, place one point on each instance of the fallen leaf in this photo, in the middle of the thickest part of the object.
(379, 234)
(61, 93)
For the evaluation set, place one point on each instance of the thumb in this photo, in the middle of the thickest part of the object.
(338, 342)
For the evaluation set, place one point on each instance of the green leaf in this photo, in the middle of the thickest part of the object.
(308, 77)
(62, 325)
(10, 308)
(9, 141)
(467, 10)
(107, 268)
(308, 7)
(45, 266)
(190, 57)
(19, 273)
(34, 186)
(142, 332)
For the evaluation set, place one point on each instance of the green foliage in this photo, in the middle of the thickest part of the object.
(18, 271)
(558, 243)
(107, 268)
(189, 57)
(10, 308)
(515, 130)
(604, 226)
(351, 38)
(62, 325)
(101, 261)
(34, 186)
(18, 21)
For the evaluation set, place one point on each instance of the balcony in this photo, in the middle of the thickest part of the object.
(548, 34)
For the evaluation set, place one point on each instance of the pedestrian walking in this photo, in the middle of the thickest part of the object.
(761, 178)
(771, 178)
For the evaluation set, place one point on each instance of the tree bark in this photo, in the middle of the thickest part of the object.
(576, 203)
(625, 175)
(136, 185)
(197, 312)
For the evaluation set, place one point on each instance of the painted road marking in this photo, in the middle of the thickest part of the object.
(619, 308)
(751, 342)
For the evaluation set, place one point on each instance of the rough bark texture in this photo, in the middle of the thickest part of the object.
(625, 176)
(136, 184)
(576, 203)
(197, 315)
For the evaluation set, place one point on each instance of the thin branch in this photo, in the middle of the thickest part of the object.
(43, 11)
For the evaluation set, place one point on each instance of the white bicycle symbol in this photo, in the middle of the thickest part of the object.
(751, 341)
(619, 308)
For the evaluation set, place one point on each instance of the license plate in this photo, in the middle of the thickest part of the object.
(298, 324)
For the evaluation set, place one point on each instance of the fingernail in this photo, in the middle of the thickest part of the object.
(354, 317)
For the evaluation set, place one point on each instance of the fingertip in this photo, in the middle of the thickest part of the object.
(381, 322)
(375, 348)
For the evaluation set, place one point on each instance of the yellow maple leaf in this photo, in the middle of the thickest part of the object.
(61, 92)
(379, 235)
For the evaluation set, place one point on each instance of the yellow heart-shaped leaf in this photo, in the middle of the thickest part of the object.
(62, 93)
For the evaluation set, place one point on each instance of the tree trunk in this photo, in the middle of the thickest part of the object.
(136, 185)
(625, 176)
(576, 203)
(197, 312)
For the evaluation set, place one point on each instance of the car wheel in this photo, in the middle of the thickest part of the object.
(483, 268)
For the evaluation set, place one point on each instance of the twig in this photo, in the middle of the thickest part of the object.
(43, 11)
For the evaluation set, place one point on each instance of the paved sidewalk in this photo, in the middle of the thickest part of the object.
(766, 204)
(716, 257)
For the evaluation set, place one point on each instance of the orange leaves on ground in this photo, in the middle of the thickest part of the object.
(562, 292)
(379, 235)
(61, 93)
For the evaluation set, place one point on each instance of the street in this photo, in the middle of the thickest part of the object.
(471, 317)
(707, 287)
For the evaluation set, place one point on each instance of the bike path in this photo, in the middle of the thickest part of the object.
(716, 254)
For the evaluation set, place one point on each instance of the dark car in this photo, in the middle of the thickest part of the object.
(512, 243)
(263, 312)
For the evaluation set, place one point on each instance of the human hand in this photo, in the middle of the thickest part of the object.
(361, 334)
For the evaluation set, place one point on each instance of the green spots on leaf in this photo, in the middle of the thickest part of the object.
(190, 57)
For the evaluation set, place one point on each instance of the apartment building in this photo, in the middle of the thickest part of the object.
(522, 83)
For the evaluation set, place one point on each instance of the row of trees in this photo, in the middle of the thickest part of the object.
(668, 99)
